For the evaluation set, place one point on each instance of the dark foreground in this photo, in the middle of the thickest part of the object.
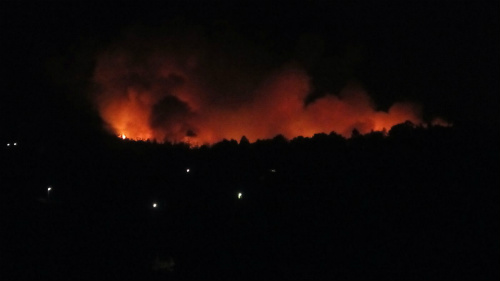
(416, 205)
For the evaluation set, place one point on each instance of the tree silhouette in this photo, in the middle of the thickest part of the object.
(244, 142)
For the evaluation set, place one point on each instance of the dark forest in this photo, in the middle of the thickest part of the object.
(414, 204)
(249, 140)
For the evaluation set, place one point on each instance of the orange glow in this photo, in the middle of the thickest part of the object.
(438, 121)
(167, 97)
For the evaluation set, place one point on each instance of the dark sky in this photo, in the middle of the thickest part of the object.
(441, 54)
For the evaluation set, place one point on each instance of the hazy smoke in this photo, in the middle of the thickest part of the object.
(202, 90)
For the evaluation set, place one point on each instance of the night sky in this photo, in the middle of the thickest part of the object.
(249, 140)
(440, 55)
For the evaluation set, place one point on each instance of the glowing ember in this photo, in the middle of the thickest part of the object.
(122, 136)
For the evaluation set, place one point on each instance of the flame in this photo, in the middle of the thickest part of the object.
(173, 96)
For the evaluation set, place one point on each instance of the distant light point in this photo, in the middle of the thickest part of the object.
(273, 170)
(187, 170)
(49, 188)
(240, 195)
(15, 144)
(155, 205)
(8, 144)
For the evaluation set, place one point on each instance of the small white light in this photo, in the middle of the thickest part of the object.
(8, 144)
(240, 195)
(49, 189)
(15, 143)
(187, 170)
(273, 171)
(155, 205)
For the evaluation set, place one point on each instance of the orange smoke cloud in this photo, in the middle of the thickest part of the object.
(174, 94)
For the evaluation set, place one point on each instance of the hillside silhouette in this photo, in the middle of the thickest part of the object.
(411, 204)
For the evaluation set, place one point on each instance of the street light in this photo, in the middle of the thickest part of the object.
(155, 205)
(48, 192)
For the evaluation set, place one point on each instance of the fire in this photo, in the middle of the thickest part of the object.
(172, 95)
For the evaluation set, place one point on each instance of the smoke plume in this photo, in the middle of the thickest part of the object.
(202, 90)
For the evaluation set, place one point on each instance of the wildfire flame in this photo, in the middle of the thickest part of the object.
(172, 95)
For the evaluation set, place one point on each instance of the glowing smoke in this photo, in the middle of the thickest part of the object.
(188, 90)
